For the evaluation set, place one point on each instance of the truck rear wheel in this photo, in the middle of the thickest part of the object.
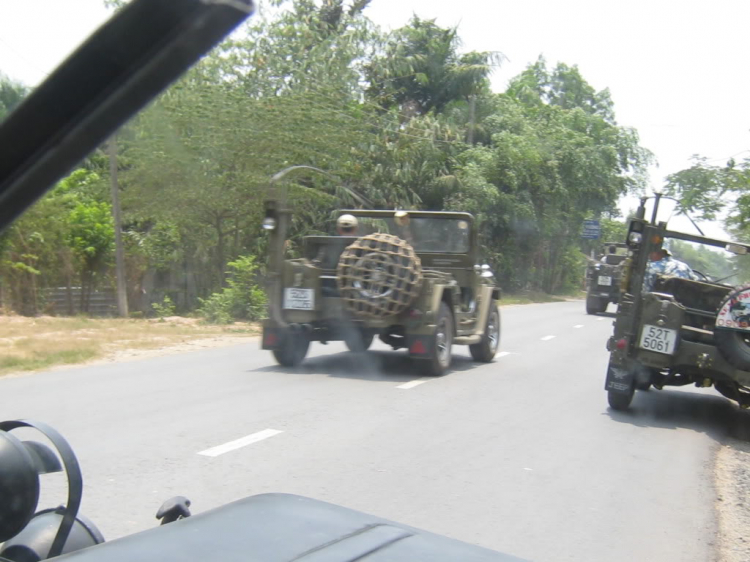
(442, 345)
(485, 350)
(292, 350)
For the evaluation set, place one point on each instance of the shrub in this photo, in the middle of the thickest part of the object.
(241, 299)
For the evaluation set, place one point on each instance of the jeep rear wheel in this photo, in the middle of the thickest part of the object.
(292, 350)
(620, 401)
(485, 350)
(442, 345)
(595, 305)
(358, 341)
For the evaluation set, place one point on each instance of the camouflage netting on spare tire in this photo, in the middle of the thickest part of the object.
(379, 275)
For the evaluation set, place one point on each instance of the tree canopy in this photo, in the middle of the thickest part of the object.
(387, 115)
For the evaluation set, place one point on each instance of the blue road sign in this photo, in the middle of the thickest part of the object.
(592, 230)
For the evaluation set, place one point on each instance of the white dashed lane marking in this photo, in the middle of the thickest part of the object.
(547, 338)
(578, 326)
(239, 443)
(412, 384)
(417, 382)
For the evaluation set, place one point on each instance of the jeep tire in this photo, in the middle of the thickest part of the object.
(595, 305)
(734, 345)
(293, 349)
(620, 401)
(440, 357)
(485, 350)
(357, 341)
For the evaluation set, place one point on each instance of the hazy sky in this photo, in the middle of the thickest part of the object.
(677, 70)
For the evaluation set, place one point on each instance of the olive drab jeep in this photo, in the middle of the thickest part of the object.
(682, 331)
(603, 278)
(410, 278)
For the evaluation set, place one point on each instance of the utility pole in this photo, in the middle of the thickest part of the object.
(472, 111)
(122, 296)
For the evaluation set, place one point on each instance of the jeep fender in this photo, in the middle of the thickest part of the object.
(440, 294)
(620, 377)
(487, 299)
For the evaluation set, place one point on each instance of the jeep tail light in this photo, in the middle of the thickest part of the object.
(271, 339)
(622, 343)
(418, 348)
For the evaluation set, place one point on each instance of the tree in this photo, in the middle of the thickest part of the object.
(11, 94)
(420, 70)
(58, 238)
(554, 158)
(91, 236)
(705, 190)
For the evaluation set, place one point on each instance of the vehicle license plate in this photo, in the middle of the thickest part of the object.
(605, 280)
(299, 299)
(660, 340)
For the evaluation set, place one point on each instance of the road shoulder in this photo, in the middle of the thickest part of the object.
(732, 476)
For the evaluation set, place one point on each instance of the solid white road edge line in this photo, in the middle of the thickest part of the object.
(239, 443)
(547, 338)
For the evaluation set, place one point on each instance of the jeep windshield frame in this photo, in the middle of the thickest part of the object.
(449, 233)
(652, 236)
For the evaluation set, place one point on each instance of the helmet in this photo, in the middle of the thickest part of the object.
(401, 218)
(346, 222)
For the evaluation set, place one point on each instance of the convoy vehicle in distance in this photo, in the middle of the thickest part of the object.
(603, 278)
(682, 331)
(412, 278)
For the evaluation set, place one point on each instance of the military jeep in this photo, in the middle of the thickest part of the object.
(603, 278)
(681, 332)
(411, 278)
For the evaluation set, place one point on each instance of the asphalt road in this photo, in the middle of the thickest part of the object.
(521, 455)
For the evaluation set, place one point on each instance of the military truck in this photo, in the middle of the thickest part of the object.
(682, 331)
(411, 278)
(603, 278)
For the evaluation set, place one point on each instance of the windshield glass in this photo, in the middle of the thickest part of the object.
(425, 234)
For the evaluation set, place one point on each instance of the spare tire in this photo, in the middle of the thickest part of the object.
(732, 330)
(378, 276)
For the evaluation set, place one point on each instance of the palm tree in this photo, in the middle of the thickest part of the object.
(420, 70)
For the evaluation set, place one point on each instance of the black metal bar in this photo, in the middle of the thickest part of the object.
(116, 72)
(701, 239)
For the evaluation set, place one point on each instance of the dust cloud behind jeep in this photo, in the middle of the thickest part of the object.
(411, 278)
(680, 331)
